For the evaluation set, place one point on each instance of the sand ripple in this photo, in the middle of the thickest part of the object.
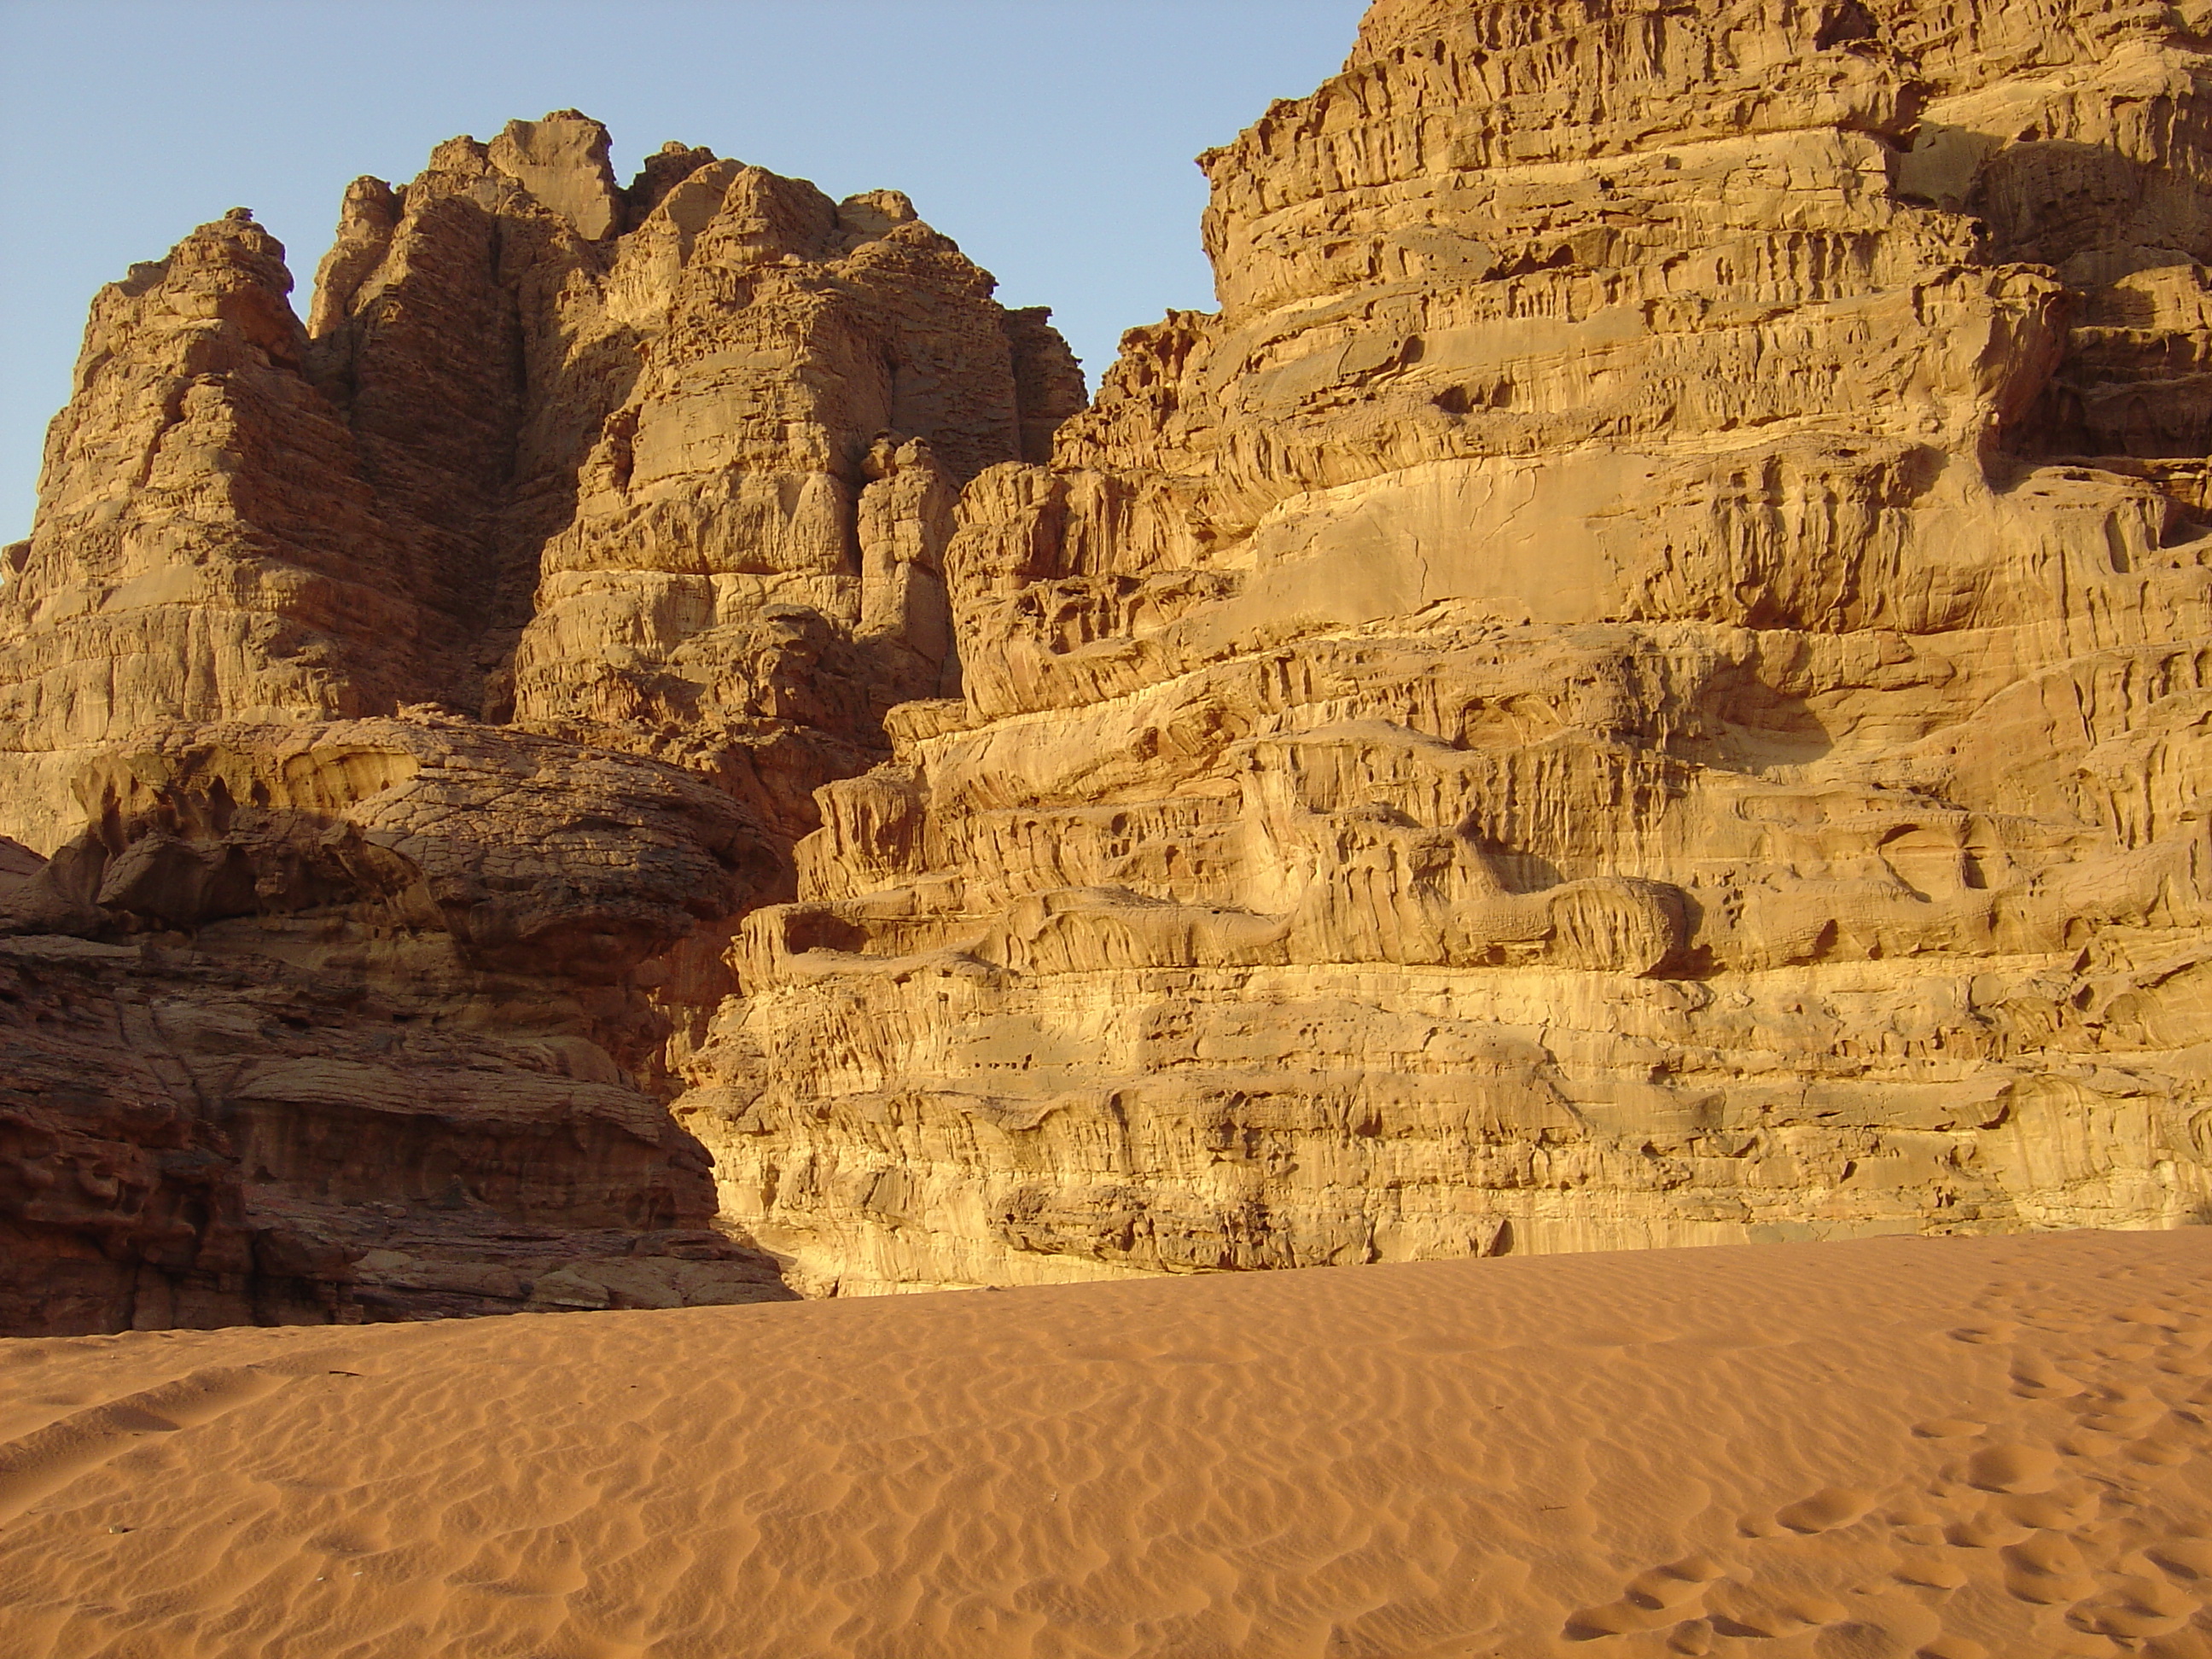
(1958, 1449)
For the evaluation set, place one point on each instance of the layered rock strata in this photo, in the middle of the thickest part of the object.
(346, 1021)
(348, 912)
(622, 464)
(1643, 682)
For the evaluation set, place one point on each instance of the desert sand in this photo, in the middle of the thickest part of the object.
(1948, 1447)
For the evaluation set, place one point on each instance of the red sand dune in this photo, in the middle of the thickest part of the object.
(1946, 1447)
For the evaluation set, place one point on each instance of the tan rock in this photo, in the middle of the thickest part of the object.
(1636, 685)
(204, 548)
(332, 1001)
(636, 422)
(1640, 683)
(734, 590)
(562, 162)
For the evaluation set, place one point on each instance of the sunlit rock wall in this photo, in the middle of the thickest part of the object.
(1645, 681)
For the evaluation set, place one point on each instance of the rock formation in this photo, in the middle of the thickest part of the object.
(328, 1021)
(342, 679)
(1643, 682)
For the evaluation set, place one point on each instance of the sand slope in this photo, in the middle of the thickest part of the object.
(1954, 1447)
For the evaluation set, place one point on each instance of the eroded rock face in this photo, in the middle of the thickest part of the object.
(634, 433)
(1641, 683)
(349, 1020)
(204, 548)
(754, 573)
(346, 914)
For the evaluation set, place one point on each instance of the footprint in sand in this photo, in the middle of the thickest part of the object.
(2134, 1609)
(2013, 1469)
(2164, 1451)
(1948, 1428)
(1675, 1584)
(2146, 1313)
(1991, 1528)
(1614, 1618)
(1825, 1510)
(2064, 1508)
(2047, 1569)
(1995, 1330)
(2125, 1412)
(2185, 1359)
(2034, 1377)
(2088, 1442)
(1746, 1611)
(1653, 1599)
(1932, 1572)
(2189, 1560)
(1912, 1524)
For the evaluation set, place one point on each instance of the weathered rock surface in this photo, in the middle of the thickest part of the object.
(204, 549)
(1643, 682)
(753, 574)
(656, 438)
(346, 1021)
(345, 914)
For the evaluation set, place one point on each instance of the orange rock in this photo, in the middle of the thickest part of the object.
(1642, 682)
(333, 679)
(1635, 685)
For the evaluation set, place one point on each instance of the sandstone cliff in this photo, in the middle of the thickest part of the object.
(1643, 682)
(409, 701)
(326, 1022)
(631, 461)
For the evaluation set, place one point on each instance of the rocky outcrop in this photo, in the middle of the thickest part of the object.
(204, 548)
(347, 917)
(545, 449)
(1640, 683)
(753, 573)
(346, 1021)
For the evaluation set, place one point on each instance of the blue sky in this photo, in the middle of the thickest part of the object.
(1052, 138)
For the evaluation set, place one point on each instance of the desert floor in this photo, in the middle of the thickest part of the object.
(1953, 1447)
